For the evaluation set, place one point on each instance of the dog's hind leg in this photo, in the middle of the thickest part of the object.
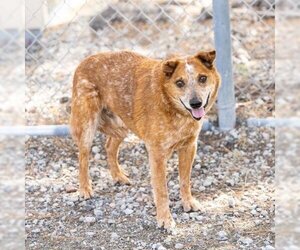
(84, 121)
(112, 149)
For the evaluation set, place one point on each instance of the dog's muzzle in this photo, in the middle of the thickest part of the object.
(197, 111)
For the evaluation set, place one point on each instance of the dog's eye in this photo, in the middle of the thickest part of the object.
(202, 79)
(180, 83)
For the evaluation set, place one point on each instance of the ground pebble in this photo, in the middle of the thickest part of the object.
(91, 234)
(179, 246)
(98, 213)
(95, 149)
(114, 236)
(253, 212)
(128, 211)
(246, 240)
(268, 247)
(208, 181)
(111, 221)
(97, 156)
(185, 216)
(158, 246)
(89, 219)
(36, 230)
(222, 235)
(70, 189)
(230, 182)
(199, 217)
(197, 166)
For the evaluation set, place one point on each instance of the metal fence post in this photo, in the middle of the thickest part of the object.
(226, 97)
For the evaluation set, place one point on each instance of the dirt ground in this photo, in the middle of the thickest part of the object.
(233, 177)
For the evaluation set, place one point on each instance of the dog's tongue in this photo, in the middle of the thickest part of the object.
(198, 113)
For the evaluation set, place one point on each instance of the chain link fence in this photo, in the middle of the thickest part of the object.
(59, 34)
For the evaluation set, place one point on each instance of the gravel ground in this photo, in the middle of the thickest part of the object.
(12, 182)
(233, 177)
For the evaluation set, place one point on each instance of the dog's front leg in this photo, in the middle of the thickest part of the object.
(158, 160)
(186, 158)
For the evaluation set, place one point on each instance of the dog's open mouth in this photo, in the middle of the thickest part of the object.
(198, 113)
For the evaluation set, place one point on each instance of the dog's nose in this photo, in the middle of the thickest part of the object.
(195, 103)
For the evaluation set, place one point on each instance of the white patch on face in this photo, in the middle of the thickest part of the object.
(191, 80)
(190, 72)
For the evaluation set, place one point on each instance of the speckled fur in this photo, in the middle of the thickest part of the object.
(117, 92)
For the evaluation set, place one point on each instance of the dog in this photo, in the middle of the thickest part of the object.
(163, 102)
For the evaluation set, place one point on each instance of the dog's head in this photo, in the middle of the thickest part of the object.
(192, 83)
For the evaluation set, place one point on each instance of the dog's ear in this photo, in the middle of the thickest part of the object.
(207, 58)
(169, 67)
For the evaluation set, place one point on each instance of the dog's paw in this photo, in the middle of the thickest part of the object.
(191, 205)
(121, 178)
(86, 192)
(166, 221)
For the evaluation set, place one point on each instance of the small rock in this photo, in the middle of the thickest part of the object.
(128, 211)
(193, 215)
(43, 189)
(71, 198)
(197, 166)
(158, 246)
(268, 247)
(179, 246)
(33, 187)
(57, 188)
(95, 149)
(199, 218)
(257, 222)
(70, 189)
(114, 236)
(234, 134)
(56, 167)
(230, 182)
(185, 216)
(111, 221)
(231, 202)
(208, 181)
(246, 240)
(36, 230)
(90, 234)
(97, 156)
(222, 235)
(98, 213)
(89, 219)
